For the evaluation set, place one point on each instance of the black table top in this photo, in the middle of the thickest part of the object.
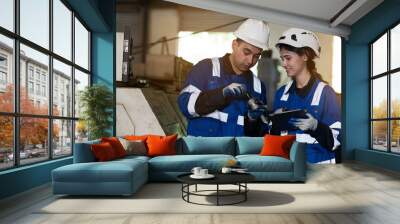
(220, 178)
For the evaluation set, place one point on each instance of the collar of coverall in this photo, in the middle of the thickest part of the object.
(303, 92)
(227, 66)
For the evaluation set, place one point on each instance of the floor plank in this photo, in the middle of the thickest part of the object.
(377, 190)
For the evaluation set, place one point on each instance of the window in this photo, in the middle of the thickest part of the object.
(385, 96)
(81, 45)
(37, 74)
(7, 14)
(30, 88)
(3, 72)
(3, 61)
(62, 74)
(44, 91)
(34, 21)
(38, 89)
(3, 78)
(30, 73)
(6, 73)
(45, 131)
(62, 29)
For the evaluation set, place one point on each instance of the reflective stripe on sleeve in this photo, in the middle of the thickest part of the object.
(218, 115)
(216, 68)
(317, 94)
(240, 120)
(306, 138)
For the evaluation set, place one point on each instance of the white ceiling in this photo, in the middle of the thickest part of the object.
(315, 15)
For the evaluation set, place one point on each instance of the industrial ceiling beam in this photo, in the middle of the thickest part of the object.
(269, 15)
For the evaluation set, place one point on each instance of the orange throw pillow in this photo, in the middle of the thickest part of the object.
(116, 145)
(136, 137)
(103, 151)
(275, 145)
(161, 145)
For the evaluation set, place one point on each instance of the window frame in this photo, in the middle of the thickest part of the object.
(16, 114)
(388, 74)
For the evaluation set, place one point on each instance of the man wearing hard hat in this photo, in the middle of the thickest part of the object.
(215, 96)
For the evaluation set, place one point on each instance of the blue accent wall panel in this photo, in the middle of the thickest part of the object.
(380, 159)
(356, 81)
(103, 53)
(24, 178)
(356, 99)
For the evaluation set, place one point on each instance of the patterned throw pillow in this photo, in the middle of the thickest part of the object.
(134, 147)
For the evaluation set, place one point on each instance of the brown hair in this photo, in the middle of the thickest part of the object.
(310, 55)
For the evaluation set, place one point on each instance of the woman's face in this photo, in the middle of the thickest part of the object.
(293, 63)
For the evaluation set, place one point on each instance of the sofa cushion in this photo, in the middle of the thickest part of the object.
(161, 145)
(103, 151)
(185, 163)
(134, 147)
(83, 152)
(275, 145)
(112, 171)
(116, 145)
(249, 145)
(206, 145)
(257, 163)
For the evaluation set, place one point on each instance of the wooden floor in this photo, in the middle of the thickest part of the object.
(377, 188)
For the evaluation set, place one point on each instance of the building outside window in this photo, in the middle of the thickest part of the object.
(3, 72)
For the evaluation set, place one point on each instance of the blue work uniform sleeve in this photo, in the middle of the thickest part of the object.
(195, 100)
(329, 126)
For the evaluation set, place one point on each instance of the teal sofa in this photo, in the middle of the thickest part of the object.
(125, 176)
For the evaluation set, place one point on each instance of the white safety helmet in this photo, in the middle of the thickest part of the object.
(254, 32)
(300, 38)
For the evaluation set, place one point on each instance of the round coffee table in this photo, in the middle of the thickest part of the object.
(238, 179)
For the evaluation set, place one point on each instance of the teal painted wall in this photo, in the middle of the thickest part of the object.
(99, 15)
(356, 83)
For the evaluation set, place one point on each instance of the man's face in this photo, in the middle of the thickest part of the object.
(244, 55)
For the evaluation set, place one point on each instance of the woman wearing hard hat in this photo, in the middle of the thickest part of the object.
(214, 98)
(307, 90)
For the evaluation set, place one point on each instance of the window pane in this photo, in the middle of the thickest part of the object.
(7, 14)
(33, 139)
(395, 47)
(6, 74)
(62, 29)
(33, 100)
(379, 135)
(35, 21)
(395, 136)
(6, 142)
(395, 95)
(379, 55)
(81, 131)
(81, 81)
(62, 89)
(379, 97)
(62, 138)
(81, 45)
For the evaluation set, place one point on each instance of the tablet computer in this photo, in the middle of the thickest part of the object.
(280, 121)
